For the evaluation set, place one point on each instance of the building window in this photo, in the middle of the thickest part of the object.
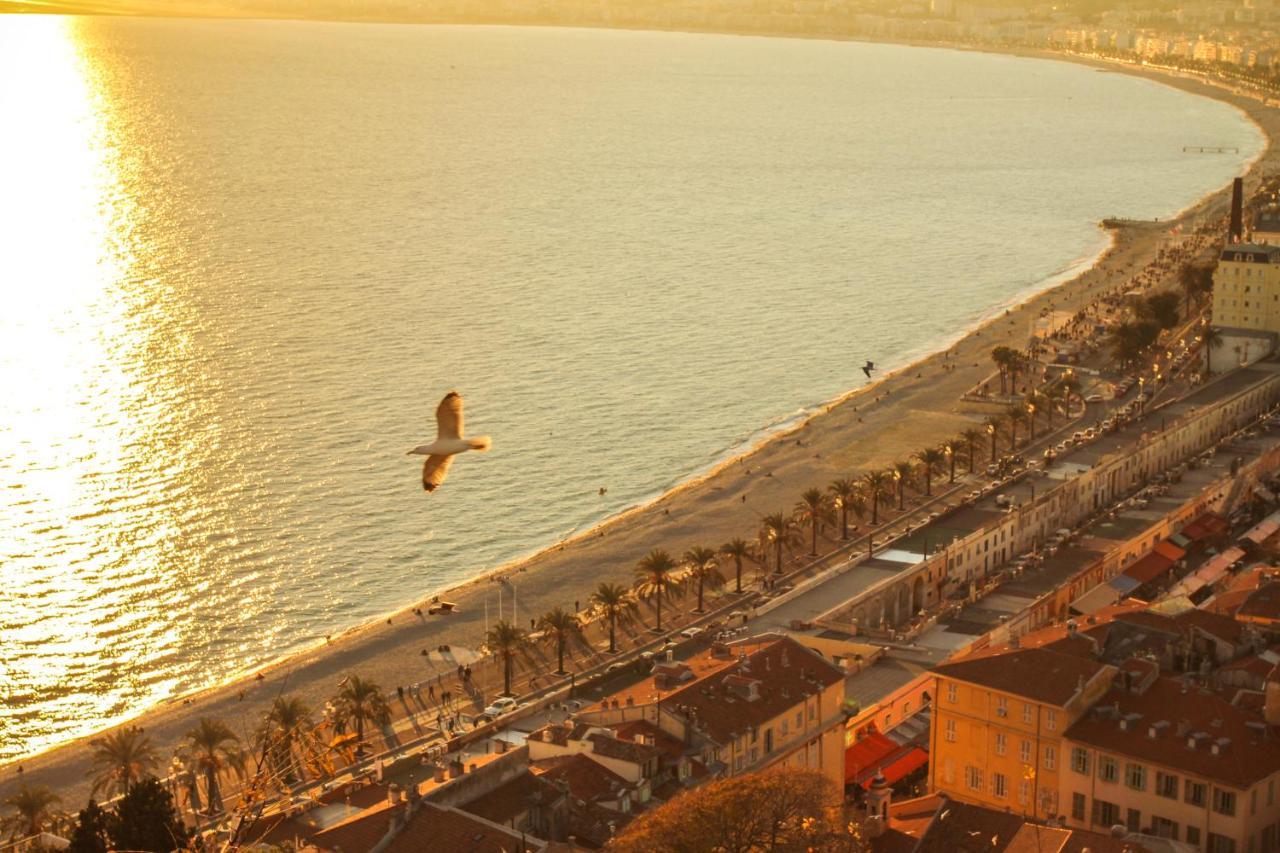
(1080, 760)
(1024, 752)
(1135, 776)
(1024, 792)
(1050, 757)
(1133, 820)
(1026, 713)
(1002, 706)
(973, 777)
(1105, 814)
(951, 693)
(950, 731)
(1108, 770)
(1164, 828)
(1001, 743)
(1220, 844)
(1166, 785)
(1078, 803)
(1194, 793)
(1224, 802)
(949, 771)
(1193, 836)
(999, 785)
(1051, 720)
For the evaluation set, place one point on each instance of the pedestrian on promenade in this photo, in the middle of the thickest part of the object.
(400, 692)
(466, 675)
(431, 692)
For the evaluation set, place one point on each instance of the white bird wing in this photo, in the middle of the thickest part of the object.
(449, 416)
(434, 470)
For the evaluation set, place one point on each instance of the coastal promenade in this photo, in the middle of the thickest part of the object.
(916, 407)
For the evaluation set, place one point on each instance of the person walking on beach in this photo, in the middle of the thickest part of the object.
(431, 692)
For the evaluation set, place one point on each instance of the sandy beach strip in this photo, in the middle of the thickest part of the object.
(916, 407)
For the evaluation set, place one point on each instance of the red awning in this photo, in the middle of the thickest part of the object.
(868, 755)
(1149, 567)
(1209, 524)
(905, 765)
(1168, 549)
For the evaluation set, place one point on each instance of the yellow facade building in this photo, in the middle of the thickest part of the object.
(998, 726)
(1246, 288)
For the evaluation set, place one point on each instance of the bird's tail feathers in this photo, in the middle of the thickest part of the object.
(482, 443)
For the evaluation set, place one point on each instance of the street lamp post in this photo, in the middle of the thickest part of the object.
(1031, 419)
(991, 431)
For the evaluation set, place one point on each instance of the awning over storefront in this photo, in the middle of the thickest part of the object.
(904, 766)
(1205, 526)
(1124, 584)
(895, 754)
(1149, 568)
(1264, 529)
(1095, 599)
(1169, 549)
(1207, 574)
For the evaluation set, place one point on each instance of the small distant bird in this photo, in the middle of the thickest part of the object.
(449, 442)
(868, 367)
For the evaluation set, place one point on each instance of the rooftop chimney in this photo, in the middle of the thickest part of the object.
(1237, 211)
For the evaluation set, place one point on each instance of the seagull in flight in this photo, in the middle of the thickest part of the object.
(449, 442)
(868, 367)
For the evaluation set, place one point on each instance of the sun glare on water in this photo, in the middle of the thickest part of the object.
(70, 409)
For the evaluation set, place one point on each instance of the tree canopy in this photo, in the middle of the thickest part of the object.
(778, 810)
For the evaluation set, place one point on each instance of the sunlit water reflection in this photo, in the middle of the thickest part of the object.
(229, 250)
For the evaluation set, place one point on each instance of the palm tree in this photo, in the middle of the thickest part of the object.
(33, 810)
(361, 701)
(1013, 415)
(737, 549)
(286, 724)
(993, 425)
(654, 579)
(703, 569)
(505, 640)
(971, 437)
(811, 511)
(930, 458)
(215, 749)
(843, 491)
(1002, 356)
(777, 530)
(121, 758)
(612, 600)
(1212, 340)
(876, 484)
(561, 626)
(902, 472)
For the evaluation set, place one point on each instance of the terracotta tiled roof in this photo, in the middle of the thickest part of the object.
(1037, 673)
(787, 671)
(513, 798)
(358, 834)
(673, 748)
(1214, 624)
(588, 780)
(1246, 759)
(959, 820)
(433, 829)
(1263, 604)
(623, 750)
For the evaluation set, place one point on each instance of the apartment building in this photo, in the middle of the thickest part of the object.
(1246, 287)
(741, 707)
(1170, 758)
(998, 726)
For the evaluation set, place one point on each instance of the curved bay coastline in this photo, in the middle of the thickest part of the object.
(851, 433)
